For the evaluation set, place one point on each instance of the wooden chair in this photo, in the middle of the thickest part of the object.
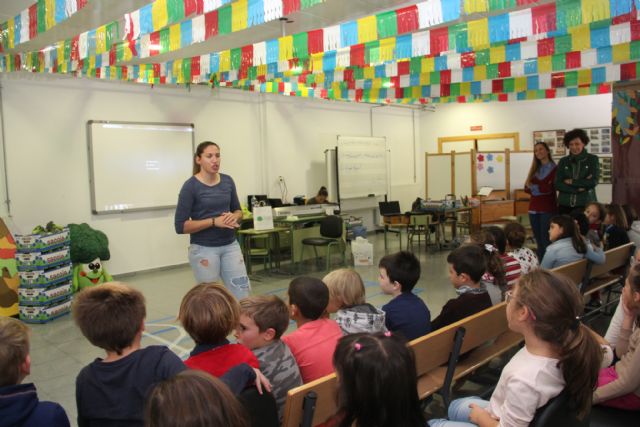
(420, 224)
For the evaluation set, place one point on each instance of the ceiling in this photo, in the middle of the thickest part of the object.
(99, 12)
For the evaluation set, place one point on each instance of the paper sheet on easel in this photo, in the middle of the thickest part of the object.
(485, 191)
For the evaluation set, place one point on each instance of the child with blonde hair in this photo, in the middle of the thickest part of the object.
(347, 300)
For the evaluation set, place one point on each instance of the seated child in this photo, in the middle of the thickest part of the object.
(263, 320)
(595, 214)
(347, 298)
(197, 399)
(209, 313)
(406, 313)
(615, 227)
(111, 391)
(313, 343)
(516, 235)
(466, 267)
(19, 404)
(619, 385)
(377, 385)
(512, 269)
(614, 329)
(493, 278)
(559, 354)
(568, 245)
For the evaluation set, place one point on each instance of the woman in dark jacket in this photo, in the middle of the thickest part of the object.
(577, 174)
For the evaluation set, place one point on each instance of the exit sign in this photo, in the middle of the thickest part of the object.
(476, 128)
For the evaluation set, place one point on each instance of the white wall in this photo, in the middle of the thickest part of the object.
(524, 117)
(262, 137)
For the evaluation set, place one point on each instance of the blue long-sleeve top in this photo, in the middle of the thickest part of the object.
(562, 252)
(200, 201)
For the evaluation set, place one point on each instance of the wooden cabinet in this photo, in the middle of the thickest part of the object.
(493, 211)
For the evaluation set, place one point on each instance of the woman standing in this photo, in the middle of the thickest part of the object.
(577, 174)
(540, 184)
(209, 209)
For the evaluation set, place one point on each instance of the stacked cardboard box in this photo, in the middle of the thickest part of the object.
(44, 267)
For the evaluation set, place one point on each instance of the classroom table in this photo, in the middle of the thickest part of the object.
(298, 232)
(448, 215)
(274, 235)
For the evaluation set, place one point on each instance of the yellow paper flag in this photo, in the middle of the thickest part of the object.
(285, 45)
(174, 37)
(367, 29)
(101, 39)
(478, 33)
(595, 10)
(159, 14)
(580, 38)
(239, 15)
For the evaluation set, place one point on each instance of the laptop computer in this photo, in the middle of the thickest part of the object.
(389, 208)
(275, 203)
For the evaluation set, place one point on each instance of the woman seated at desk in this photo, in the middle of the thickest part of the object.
(320, 198)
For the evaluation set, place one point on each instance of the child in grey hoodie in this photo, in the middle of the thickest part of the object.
(347, 300)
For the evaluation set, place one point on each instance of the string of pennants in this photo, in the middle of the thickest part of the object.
(550, 50)
(160, 27)
(41, 16)
(356, 34)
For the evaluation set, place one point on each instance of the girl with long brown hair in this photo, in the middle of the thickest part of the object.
(540, 184)
(559, 354)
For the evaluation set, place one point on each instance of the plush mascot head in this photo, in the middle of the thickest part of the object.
(89, 248)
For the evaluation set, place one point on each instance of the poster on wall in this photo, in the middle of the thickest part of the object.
(606, 170)
(553, 139)
(600, 140)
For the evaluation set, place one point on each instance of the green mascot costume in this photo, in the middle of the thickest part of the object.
(89, 248)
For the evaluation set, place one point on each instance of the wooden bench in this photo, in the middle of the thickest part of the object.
(483, 336)
(577, 272)
(487, 337)
(431, 351)
(604, 275)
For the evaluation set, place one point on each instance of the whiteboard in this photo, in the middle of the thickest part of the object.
(519, 165)
(491, 170)
(363, 167)
(138, 166)
(438, 176)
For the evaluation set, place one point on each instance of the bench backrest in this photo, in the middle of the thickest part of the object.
(431, 352)
(484, 326)
(576, 271)
(614, 258)
(325, 389)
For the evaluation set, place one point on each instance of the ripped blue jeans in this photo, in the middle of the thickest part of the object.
(210, 264)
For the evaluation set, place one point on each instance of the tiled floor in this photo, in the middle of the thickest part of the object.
(59, 351)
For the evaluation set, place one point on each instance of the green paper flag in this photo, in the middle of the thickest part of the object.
(224, 19)
(387, 23)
